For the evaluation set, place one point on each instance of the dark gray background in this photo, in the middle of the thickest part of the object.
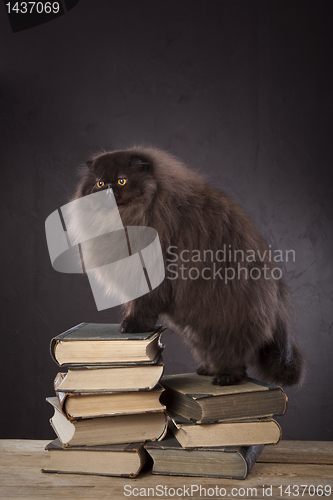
(241, 90)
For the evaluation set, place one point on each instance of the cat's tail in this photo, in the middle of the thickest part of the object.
(280, 360)
(281, 364)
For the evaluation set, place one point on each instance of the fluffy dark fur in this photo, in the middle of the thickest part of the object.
(228, 326)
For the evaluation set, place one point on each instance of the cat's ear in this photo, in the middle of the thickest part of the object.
(137, 161)
(89, 164)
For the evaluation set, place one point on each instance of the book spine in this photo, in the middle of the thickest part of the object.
(165, 430)
(61, 336)
(280, 430)
(144, 458)
(58, 379)
(53, 345)
(56, 433)
(62, 397)
(285, 400)
(250, 454)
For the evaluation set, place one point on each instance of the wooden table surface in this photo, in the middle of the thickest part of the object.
(304, 466)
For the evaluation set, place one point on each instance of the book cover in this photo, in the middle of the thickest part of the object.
(79, 405)
(106, 378)
(103, 333)
(245, 432)
(123, 460)
(195, 397)
(232, 462)
(107, 430)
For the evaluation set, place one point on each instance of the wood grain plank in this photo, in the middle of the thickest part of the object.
(21, 478)
(300, 452)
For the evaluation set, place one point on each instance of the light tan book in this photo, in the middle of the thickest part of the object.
(111, 460)
(102, 343)
(109, 378)
(241, 433)
(107, 430)
(79, 405)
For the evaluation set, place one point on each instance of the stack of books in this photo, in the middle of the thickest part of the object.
(107, 402)
(217, 431)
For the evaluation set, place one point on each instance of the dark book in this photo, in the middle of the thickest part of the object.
(235, 433)
(107, 430)
(77, 405)
(125, 460)
(101, 379)
(196, 398)
(171, 459)
(100, 343)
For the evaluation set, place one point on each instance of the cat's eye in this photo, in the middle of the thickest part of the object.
(100, 184)
(122, 182)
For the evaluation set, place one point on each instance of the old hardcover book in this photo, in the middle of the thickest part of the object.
(100, 343)
(112, 460)
(238, 433)
(77, 405)
(196, 398)
(224, 462)
(107, 430)
(94, 378)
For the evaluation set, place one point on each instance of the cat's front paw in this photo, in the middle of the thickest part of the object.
(229, 378)
(130, 326)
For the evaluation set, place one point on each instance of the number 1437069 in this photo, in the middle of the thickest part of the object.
(305, 490)
(30, 7)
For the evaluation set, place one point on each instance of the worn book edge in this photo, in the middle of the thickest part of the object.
(120, 336)
(127, 448)
(248, 454)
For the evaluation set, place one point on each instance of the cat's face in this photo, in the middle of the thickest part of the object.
(129, 176)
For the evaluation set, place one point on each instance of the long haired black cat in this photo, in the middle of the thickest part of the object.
(230, 324)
